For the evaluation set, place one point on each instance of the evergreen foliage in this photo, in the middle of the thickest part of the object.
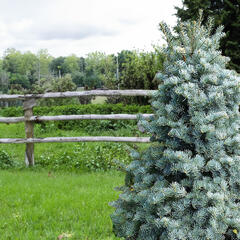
(225, 12)
(186, 186)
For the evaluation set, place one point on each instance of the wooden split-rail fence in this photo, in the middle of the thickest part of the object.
(29, 101)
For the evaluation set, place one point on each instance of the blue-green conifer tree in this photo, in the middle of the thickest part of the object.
(186, 185)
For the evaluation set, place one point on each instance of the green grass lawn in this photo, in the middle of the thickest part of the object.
(34, 205)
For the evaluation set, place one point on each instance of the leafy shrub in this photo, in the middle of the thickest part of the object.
(78, 109)
(88, 125)
(12, 112)
(6, 161)
(84, 156)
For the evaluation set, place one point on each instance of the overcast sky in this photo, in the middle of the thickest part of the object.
(82, 26)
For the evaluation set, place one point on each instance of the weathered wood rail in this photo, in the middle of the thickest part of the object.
(80, 94)
(29, 101)
(73, 117)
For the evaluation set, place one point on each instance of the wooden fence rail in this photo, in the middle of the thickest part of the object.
(75, 139)
(80, 94)
(29, 101)
(74, 117)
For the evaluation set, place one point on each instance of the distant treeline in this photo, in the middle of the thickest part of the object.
(36, 73)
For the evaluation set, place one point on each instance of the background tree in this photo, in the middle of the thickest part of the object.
(12, 60)
(53, 84)
(20, 81)
(226, 13)
(138, 70)
(21, 68)
(92, 80)
(71, 64)
(103, 67)
(82, 64)
(28, 67)
(4, 79)
(76, 67)
(79, 78)
(27, 71)
(122, 59)
(57, 67)
(185, 186)
(43, 64)
(108, 77)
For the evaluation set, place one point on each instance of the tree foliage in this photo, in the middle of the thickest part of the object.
(186, 185)
(137, 71)
(4, 80)
(57, 66)
(21, 68)
(102, 67)
(43, 63)
(226, 13)
(52, 84)
(71, 64)
(27, 72)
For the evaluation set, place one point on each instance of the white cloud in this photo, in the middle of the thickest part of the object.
(82, 26)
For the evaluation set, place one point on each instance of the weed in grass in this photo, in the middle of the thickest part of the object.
(6, 160)
(85, 156)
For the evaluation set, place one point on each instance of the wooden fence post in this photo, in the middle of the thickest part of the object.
(28, 105)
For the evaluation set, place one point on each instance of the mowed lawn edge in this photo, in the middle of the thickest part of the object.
(46, 205)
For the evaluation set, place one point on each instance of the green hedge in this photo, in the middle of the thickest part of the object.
(88, 125)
